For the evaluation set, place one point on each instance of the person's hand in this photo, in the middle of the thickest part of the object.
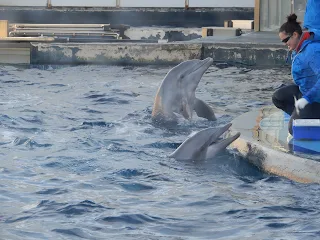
(300, 104)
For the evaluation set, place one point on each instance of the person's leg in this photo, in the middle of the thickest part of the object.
(283, 98)
(311, 111)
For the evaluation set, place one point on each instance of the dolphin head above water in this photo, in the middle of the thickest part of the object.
(176, 94)
(203, 145)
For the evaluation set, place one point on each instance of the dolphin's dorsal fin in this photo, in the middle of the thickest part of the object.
(204, 110)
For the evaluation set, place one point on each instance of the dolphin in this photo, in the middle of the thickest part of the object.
(204, 144)
(176, 93)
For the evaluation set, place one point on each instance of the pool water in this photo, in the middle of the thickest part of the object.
(81, 159)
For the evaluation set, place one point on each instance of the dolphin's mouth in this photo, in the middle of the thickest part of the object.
(201, 64)
(204, 62)
(221, 131)
(204, 144)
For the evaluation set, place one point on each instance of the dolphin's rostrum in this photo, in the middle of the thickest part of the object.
(203, 145)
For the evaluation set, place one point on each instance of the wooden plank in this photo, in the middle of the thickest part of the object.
(257, 16)
(3, 28)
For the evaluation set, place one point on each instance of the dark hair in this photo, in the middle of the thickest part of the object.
(291, 25)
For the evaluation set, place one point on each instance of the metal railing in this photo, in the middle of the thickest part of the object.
(129, 3)
(69, 32)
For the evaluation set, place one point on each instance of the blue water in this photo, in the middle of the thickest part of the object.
(80, 159)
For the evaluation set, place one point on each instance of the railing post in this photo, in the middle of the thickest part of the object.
(186, 4)
(49, 5)
(257, 16)
(4, 28)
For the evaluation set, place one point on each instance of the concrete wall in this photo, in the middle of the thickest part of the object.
(114, 53)
(130, 3)
(246, 54)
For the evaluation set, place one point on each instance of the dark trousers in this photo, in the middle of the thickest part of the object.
(283, 98)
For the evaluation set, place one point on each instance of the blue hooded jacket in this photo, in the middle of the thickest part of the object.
(306, 69)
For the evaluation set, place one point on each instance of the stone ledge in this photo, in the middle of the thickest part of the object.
(156, 53)
(266, 152)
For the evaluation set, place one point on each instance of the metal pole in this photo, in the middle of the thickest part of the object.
(186, 4)
(257, 16)
(49, 5)
(34, 25)
(118, 3)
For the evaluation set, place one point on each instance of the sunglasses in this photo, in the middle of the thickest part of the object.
(286, 39)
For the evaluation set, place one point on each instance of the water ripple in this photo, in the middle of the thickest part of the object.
(53, 191)
(29, 142)
(99, 124)
(75, 232)
(47, 208)
(136, 187)
(111, 100)
(131, 219)
(82, 208)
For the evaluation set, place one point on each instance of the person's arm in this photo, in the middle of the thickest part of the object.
(314, 63)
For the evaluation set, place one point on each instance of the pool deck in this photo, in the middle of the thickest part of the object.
(263, 142)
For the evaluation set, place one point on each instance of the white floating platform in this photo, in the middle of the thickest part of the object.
(263, 142)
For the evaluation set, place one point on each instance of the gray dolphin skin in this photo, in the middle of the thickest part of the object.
(176, 94)
(204, 145)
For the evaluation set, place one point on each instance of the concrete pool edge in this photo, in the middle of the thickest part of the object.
(245, 54)
(272, 160)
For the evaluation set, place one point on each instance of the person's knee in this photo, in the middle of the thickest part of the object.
(275, 99)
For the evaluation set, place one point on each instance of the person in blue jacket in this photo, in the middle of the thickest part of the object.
(301, 100)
